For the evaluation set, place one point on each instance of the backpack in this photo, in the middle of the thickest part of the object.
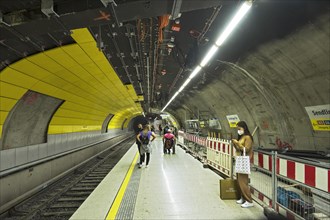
(145, 139)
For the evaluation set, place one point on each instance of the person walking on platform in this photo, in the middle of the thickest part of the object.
(169, 142)
(160, 129)
(145, 137)
(244, 140)
(139, 129)
(166, 128)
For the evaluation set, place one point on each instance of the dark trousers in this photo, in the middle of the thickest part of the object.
(143, 156)
(138, 143)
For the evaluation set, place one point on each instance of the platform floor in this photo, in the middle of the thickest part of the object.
(172, 187)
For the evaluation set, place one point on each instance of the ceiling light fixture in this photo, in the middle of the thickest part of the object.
(184, 84)
(223, 36)
(233, 23)
(195, 72)
(209, 55)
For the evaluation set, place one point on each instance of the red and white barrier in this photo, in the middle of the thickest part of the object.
(310, 175)
(268, 202)
(261, 197)
(219, 155)
(313, 176)
(286, 213)
(181, 136)
(219, 152)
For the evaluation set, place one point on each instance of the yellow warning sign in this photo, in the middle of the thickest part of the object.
(232, 120)
(319, 116)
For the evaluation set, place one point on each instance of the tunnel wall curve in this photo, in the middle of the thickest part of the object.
(270, 88)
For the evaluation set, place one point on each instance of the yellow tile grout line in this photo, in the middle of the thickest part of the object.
(119, 197)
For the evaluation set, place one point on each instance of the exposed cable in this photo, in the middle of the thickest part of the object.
(209, 23)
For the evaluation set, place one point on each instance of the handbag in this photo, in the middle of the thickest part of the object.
(229, 189)
(242, 164)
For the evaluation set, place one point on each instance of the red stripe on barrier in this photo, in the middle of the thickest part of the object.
(261, 196)
(214, 145)
(291, 169)
(219, 146)
(328, 180)
(277, 166)
(223, 147)
(270, 163)
(310, 175)
(260, 160)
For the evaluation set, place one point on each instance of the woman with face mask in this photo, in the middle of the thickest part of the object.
(244, 140)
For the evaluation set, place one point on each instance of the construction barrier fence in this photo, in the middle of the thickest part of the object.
(293, 187)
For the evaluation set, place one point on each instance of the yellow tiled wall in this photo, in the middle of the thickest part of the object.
(79, 74)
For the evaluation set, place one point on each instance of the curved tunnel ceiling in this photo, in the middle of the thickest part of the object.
(80, 75)
(127, 31)
(272, 67)
(269, 88)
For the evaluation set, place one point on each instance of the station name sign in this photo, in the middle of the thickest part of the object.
(319, 116)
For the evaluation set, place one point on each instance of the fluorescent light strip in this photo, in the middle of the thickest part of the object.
(194, 73)
(166, 106)
(233, 23)
(184, 84)
(224, 35)
(181, 88)
(209, 55)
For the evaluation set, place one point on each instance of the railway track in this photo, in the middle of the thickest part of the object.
(61, 199)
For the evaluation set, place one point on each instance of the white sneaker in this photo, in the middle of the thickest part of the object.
(140, 165)
(241, 201)
(247, 204)
(147, 166)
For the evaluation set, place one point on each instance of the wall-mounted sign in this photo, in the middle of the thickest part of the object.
(214, 123)
(232, 120)
(319, 116)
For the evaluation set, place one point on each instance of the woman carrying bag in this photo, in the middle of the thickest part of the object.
(145, 137)
(243, 146)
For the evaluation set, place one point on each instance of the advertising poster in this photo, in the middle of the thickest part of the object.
(319, 116)
(232, 120)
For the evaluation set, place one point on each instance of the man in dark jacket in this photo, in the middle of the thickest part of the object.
(166, 128)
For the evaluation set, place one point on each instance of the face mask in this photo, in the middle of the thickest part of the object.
(240, 132)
